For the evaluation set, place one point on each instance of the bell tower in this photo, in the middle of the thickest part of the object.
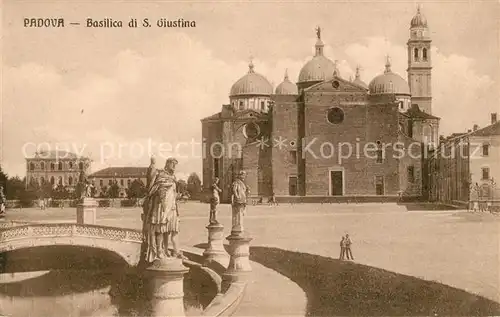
(419, 63)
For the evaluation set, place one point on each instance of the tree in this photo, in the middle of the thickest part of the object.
(61, 192)
(194, 185)
(137, 189)
(15, 188)
(3, 178)
(104, 192)
(181, 186)
(114, 190)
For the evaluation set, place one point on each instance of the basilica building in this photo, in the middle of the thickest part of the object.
(326, 136)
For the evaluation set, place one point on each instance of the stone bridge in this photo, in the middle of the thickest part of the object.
(124, 242)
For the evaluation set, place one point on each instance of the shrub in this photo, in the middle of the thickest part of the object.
(128, 203)
(104, 203)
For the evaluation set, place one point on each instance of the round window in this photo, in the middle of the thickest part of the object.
(251, 130)
(335, 84)
(335, 115)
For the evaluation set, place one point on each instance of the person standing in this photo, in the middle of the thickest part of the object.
(342, 248)
(214, 201)
(348, 251)
(239, 193)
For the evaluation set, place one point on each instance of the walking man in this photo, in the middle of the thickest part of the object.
(348, 243)
(342, 248)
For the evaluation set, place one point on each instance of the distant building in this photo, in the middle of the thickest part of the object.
(288, 139)
(123, 176)
(465, 166)
(57, 168)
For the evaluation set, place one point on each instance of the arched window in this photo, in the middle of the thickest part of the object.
(121, 182)
(60, 180)
(80, 165)
(59, 166)
(70, 164)
(32, 166)
(101, 182)
(242, 106)
(42, 180)
(42, 166)
(52, 180)
(129, 182)
(415, 53)
(52, 166)
(70, 181)
(262, 105)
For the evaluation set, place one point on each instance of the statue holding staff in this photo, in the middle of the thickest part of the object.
(239, 193)
(214, 201)
(161, 213)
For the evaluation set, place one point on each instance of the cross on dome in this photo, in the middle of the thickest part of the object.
(335, 70)
(358, 73)
(250, 65)
(387, 64)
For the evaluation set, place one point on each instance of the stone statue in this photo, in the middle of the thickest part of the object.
(83, 185)
(239, 193)
(161, 214)
(318, 32)
(151, 173)
(2, 200)
(214, 201)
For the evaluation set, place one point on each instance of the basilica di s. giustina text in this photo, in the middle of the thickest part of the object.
(322, 107)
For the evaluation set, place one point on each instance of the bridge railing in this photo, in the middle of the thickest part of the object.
(20, 230)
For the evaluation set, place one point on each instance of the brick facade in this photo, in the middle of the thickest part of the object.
(303, 163)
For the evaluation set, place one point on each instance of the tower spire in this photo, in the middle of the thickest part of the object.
(286, 74)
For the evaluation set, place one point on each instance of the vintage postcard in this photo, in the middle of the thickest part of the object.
(244, 158)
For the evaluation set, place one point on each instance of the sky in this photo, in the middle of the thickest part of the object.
(121, 94)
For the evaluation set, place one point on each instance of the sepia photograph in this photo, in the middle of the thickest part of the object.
(249, 158)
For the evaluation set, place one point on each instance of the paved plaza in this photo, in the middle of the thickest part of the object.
(452, 247)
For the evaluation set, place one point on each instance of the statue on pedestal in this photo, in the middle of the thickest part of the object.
(214, 201)
(161, 214)
(239, 193)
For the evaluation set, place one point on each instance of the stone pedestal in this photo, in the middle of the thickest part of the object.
(215, 249)
(239, 262)
(86, 211)
(166, 278)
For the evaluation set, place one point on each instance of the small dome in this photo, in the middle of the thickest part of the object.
(251, 84)
(286, 87)
(319, 68)
(389, 83)
(358, 80)
(418, 21)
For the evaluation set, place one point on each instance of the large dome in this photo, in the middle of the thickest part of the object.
(389, 83)
(319, 68)
(251, 84)
(418, 21)
(286, 87)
